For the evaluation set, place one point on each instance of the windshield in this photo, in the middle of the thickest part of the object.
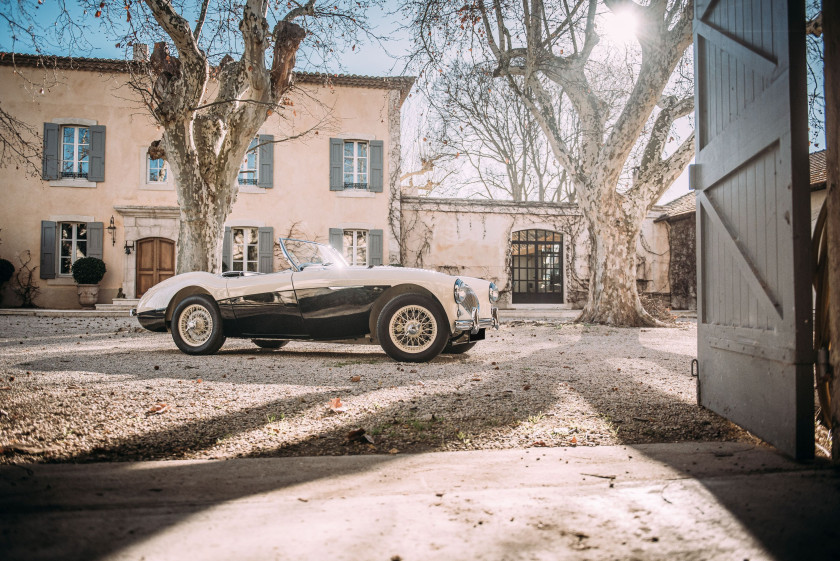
(303, 254)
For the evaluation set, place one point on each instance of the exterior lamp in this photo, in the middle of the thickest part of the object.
(113, 231)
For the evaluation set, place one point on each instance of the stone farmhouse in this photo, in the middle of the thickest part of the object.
(99, 194)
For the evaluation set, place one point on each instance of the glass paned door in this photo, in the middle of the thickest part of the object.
(537, 267)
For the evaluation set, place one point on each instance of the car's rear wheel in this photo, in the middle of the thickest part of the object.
(411, 328)
(269, 343)
(197, 326)
(451, 349)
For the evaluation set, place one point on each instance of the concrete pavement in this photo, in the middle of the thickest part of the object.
(664, 501)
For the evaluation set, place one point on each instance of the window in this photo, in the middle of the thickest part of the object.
(356, 247)
(355, 164)
(156, 170)
(72, 245)
(248, 171)
(245, 249)
(75, 152)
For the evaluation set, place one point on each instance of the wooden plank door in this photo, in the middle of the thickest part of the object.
(155, 262)
(753, 252)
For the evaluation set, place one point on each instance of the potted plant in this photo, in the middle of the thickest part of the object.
(87, 272)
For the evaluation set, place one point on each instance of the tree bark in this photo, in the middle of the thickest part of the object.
(831, 38)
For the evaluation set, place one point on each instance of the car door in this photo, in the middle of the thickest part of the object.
(335, 303)
(265, 306)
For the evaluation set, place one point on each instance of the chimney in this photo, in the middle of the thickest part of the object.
(141, 52)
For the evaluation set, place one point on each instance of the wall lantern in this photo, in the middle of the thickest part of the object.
(128, 247)
(113, 231)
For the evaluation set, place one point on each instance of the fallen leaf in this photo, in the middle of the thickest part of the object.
(356, 379)
(393, 451)
(573, 440)
(539, 444)
(476, 379)
(526, 387)
(359, 435)
(336, 406)
(6, 388)
(199, 381)
(158, 409)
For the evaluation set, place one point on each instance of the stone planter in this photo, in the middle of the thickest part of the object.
(88, 295)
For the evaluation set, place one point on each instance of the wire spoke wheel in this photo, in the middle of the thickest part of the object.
(195, 326)
(413, 329)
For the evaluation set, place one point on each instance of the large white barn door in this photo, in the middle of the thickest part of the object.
(751, 178)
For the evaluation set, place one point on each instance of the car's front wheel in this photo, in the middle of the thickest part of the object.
(197, 326)
(269, 343)
(412, 328)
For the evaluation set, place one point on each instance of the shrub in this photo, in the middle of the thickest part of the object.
(88, 270)
(6, 271)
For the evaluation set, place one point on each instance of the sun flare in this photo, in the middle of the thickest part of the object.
(619, 27)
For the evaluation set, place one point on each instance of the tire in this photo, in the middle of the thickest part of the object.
(458, 349)
(197, 326)
(427, 331)
(269, 343)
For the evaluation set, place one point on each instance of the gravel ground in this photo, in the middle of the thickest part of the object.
(75, 389)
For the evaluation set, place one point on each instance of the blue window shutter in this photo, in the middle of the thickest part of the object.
(336, 164)
(95, 233)
(50, 160)
(265, 175)
(96, 171)
(265, 250)
(227, 250)
(48, 247)
(376, 167)
(375, 249)
(337, 239)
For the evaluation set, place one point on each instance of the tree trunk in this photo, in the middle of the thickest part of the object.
(613, 293)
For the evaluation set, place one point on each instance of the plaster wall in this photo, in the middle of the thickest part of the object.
(472, 238)
(300, 201)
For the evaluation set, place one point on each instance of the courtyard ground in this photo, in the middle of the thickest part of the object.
(102, 389)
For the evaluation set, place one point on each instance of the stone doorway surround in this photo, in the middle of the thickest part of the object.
(144, 222)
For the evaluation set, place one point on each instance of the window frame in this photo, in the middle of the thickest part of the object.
(253, 148)
(245, 245)
(351, 258)
(356, 185)
(77, 163)
(73, 245)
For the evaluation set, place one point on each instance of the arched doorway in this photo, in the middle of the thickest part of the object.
(537, 267)
(155, 262)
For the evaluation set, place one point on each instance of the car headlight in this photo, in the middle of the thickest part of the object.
(494, 293)
(460, 292)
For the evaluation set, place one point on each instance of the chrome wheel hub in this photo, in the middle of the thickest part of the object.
(413, 329)
(195, 325)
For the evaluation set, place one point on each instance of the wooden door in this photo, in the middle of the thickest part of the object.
(751, 177)
(155, 262)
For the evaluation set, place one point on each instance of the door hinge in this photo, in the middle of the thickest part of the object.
(692, 177)
(695, 373)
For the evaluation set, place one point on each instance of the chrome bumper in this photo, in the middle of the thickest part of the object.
(474, 323)
(132, 312)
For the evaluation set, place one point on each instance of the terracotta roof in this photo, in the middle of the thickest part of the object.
(686, 204)
(402, 83)
(818, 177)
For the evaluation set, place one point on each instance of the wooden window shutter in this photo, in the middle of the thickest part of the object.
(337, 239)
(376, 166)
(95, 233)
(265, 250)
(265, 174)
(96, 171)
(48, 247)
(50, 162)
(336, 164)
(375, 247)
(227, 250)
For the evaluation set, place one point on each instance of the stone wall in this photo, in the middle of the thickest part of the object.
(683, 270)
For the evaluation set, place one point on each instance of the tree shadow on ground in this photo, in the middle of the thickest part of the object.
(755, 508)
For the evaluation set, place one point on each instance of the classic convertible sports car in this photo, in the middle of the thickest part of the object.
(413, 314)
